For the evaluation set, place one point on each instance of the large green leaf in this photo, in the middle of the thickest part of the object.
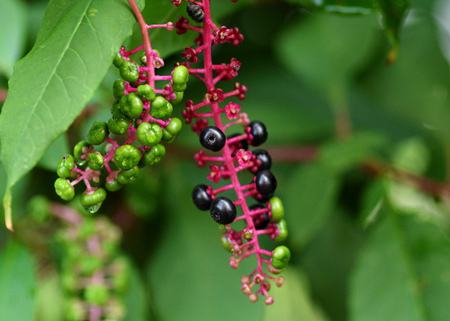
(135, 298)
(17, 279)
(309, 197)
(402, 273)
(293, 301)
(189, 273)
(52, 84)
(12, 37)
(339, 6)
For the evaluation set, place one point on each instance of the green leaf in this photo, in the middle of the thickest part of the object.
(135, 298)
(17, 279)
(342, 155)
(403, 273)
(190, 267)
(293, 301)
(52, 84)
(309, 198)
(339, 6)
(326, 50)
(12, 38)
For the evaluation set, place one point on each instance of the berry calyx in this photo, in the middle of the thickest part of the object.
(201, 197)
(223, 211)
(212, 138)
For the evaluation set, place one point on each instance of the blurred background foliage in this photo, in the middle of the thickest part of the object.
(355, 95)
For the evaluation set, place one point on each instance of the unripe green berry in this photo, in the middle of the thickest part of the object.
(178, 97)
(149, 134)
(64, 189)
(119, 125)
(131, 105)
(97, 133)
(161, 108)
(174, 127)
(75, 311)
(128, 176)
(118, 60)
(282, 231)
(65, 166)
(167, 136)
(226, 243)
(146, 92)
(277, 209)
(180, 75)
(112, 185)
(127, 156)
(79, 149)
(179, 87)
(93, 198)
(95, 160)
(281, 256)
(86, 229)
(129, 71)
(88, 265)
(118, 88)
(96, 294)
(69, 281)
(155, 154)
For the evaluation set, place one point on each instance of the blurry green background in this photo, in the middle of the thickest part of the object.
(366, 246)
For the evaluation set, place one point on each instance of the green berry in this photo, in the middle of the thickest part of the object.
(95, 160)
(161, 108)
(75, 311)
(131, 105)
(86, 229)
(94, 198)
(146, 92)
(80, 149)
(149, 134)
(112, 185)
(281, 256)
(119, 125)
(180, 75)
(127, 156)
(88, 265)
(69, 281)
(277, 209)
(96, 294)
(65, 166)
(174, 126)
(155, 154)
(178, 97)
(282, 231)
(226, 243)
(129, 71)
(97, 133)
(118, 60)
(64, 189)
(118, 88)
(128, 176)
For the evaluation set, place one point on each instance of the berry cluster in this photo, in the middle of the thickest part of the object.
(116, 150)
(93, 273)
(212, 118)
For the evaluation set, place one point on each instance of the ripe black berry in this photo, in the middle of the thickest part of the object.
(195, 12)
(223, 210)
(212, 138)
(261, 220)
(201, 197)
(265, 182)
(259, 133)
(265, 161)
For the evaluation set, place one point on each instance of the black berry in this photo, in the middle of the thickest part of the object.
(223, 210)
(212, 138)
(261, 220)
(259, 133)
(201, 197)
(195, 12)
(242, 144)
(265, 182)
(264, 159)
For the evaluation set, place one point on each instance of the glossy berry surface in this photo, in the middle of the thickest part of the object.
(195, 12)
(223, 210)
(258, 132)
(212, 138)
(264, 159)
(265, 182)
(260, 220)
(201, 197)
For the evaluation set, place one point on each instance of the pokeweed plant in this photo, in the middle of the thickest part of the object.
(141, 122)
(244, 221)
